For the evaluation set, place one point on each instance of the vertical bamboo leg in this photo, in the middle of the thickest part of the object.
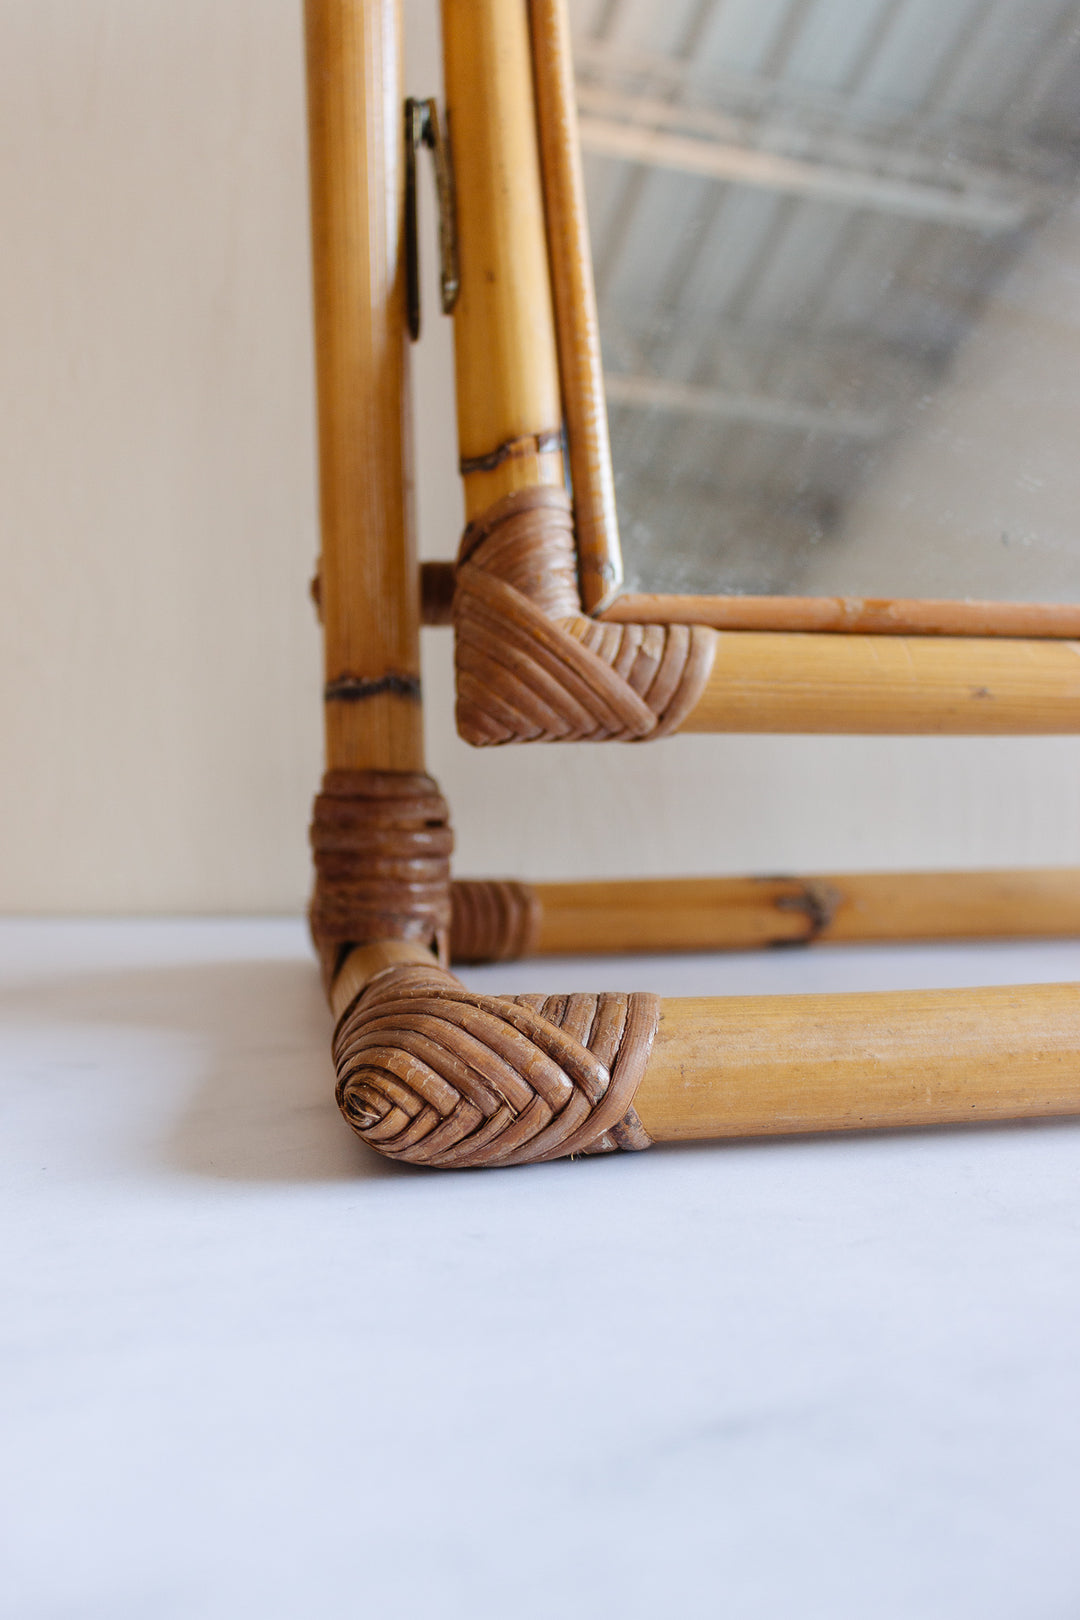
(509, 408)
(380, 830)
(369, 575)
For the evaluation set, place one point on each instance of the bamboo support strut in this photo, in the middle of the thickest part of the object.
(772, 1065)
(508, 398)
(368, 570)
(380, 831)
(365, 962)
(747, 913)
(596, 525)
(761, 682)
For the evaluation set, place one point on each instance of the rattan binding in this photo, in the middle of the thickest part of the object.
(531, 667)
(433, 1074)
(492, 920)
(381, 842)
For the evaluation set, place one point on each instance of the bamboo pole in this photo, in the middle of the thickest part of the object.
(887, 616)
(746, 913)
(366, 962)
(368, 571)
(765, 682)
(429, 1058)
(596, 524)
(774, 1065)
(508, 403)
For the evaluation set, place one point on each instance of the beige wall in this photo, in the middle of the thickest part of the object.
(159, 733)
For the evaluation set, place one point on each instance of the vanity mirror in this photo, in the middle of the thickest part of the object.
(836, 248)
(841, 392)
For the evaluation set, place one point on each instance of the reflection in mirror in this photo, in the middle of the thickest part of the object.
(837, 255)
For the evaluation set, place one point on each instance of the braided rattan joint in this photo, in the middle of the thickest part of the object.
(432, 1074)
(531, 667)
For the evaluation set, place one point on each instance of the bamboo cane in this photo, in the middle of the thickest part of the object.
(762, 682)
(887, 616)
(433, 1073)
(827, 615)
(746, 913)
(368, 570)
(380, 835)
(771, 1065)
(365, 962)
(508, 398)
(596, 524)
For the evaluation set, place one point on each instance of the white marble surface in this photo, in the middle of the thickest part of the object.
(251, 1370)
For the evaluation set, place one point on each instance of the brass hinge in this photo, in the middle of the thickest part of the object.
(423, 127)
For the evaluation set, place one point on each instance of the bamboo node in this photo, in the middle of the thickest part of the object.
(529, 444)
(355, 688)
(493, 920)
(817, 900)
(381, 842)
(432, 1074)
(531, 667)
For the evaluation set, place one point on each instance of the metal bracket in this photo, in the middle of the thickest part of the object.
(424, 128)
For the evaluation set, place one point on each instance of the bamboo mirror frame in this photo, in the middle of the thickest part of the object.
(548, 650)
(827, 664)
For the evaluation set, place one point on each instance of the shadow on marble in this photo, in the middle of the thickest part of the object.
(255, 1037)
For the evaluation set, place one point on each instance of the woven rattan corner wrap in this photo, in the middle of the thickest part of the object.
(431, 1074)
(531, 667)
(381, 842)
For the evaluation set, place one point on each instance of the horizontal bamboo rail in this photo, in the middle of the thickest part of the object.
(774, 1065)
(765, 682)
(839, 615)
(750, 680)
(746, 913)
(885, 616)
(427, 1068)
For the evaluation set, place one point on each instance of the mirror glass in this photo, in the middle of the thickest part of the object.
(837, 256)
